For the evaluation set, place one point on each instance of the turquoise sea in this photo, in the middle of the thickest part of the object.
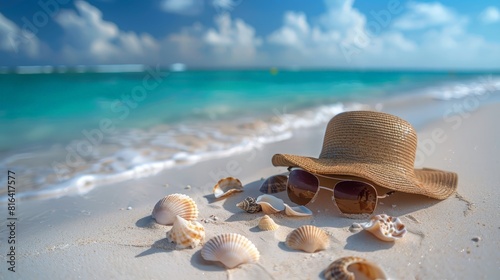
(70, 132)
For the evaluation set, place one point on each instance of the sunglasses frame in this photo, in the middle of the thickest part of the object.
(332, 189)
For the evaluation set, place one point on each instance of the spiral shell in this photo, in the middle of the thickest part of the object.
(227, 186)
(267, 223)
(186, 233)
(308, 238)
(385, 228)
(172, 205)
(274, 184)
(270, 204)
(351, 268)
(249, 205)
(231, 249)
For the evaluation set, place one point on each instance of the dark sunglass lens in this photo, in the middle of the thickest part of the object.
(274, 184)
(302, 186)
(353, 197)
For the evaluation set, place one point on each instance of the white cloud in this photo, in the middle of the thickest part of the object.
(91, 39)
(183, 7)
(15, 40)
(490, 15)
(426, 15)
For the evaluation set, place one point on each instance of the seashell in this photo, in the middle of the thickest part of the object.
(350, 268)
(186, 233)
(231, 249)
(227, 186)
(267, 223)
(308, 238)
(385, 227)
(274, 184)
(172, 205)
(297, 211)
(270, 204)
(249, 205)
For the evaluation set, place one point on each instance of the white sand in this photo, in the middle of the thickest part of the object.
(95, 237)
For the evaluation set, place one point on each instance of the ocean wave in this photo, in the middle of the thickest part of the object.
(457, 90)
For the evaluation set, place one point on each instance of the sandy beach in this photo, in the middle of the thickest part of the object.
(108, 233)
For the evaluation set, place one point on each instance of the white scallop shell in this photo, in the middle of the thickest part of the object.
(297, 211)
(231, 249)
(172, 205)
(186, 234)
(384, 227)
(227, 186)
(308, 238)
(270, 204)
(267, 223)
(351, 268)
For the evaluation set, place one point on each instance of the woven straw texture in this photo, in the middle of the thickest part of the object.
(378, 147)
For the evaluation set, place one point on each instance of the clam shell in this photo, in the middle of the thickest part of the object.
(270, 204)
(186, 234)
(231, 249)
(172, 205)
(385, 228)
(350, 268)
(308, 238)
(297, 211)
(227, 186)
(249, 205)
(267, 223)
(274, 184)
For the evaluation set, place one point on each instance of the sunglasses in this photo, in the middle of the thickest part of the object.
(352, 197)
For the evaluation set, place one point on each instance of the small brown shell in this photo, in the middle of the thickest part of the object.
(231, 249)
(308, 239)
(249, 205)
(351, 268)
(227, 186)
(274, 184)
(172, 205)
(267, 223)
(186, 234)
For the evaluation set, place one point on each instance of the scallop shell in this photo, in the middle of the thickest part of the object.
(350, 268)
(186, 234)
(274, 184)
(308, 238)
(270, 204)
(385, 227)
(172, 205)
(267, 223)
(231, 249)
(227, 186)
(297, 211)
(249, 205)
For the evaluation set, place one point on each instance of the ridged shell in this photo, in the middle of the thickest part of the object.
(297, 211)
(385, 228)
(274, 184)
(270, 204)
(267, 223)
(231, 249)
(227, 186)
(186, 234)
(172, 205)
(308, 238)
(351, 268)
(249, 205)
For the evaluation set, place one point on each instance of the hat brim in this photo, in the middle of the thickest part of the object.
(433, 183)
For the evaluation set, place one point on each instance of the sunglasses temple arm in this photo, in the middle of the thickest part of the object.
(386, 195)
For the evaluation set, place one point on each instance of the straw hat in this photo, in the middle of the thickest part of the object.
(378, 147)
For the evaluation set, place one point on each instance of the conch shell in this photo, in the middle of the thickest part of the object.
(385, 227)
(297, 211)
(351, 268)
(249, 205)
(267, 223)
(227, 186)
(186, 234)
(231, 249)
(308, 238)
(270, 204)
(172, 205)
(274, 184)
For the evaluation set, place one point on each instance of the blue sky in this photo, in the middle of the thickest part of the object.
(253, 33)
